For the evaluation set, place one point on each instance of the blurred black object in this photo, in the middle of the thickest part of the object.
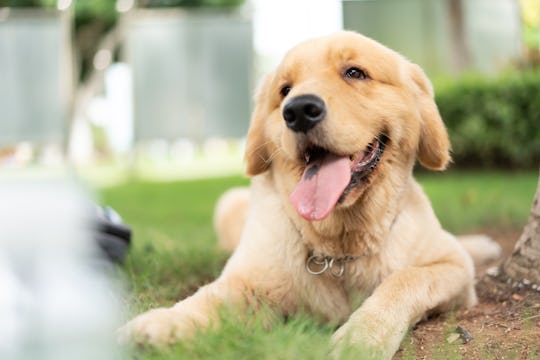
(112, 235)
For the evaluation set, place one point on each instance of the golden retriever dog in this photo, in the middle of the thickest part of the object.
(334, 222)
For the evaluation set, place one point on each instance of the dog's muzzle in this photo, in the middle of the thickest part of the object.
(303, 112)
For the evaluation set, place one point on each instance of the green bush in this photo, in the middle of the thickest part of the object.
(27, 3)
(493, 122)
(191, 3)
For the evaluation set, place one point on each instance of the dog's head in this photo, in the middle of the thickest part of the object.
(335, 112)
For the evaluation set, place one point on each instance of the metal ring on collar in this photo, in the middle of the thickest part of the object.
(341, 267)
(318, 261)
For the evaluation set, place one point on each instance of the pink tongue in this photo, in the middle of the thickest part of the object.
(321, 186)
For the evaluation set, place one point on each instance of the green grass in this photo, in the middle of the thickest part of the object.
(174, 247)
(467, 201)
(299, 338)
(174, 251)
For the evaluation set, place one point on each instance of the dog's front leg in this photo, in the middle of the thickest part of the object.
(403, 298)
(164, 326)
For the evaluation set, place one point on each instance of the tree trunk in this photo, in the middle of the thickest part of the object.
(460, 53)
(523, 265)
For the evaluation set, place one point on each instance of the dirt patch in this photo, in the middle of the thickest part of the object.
(504, 325)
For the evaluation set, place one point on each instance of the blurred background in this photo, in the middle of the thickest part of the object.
(144, 105)
(154, 87)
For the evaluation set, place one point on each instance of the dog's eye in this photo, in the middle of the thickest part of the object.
(356, 73)
(285, 90)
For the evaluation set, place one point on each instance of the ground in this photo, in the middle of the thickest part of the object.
(504, 325)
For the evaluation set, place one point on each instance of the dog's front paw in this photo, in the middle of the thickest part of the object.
(158, 327)
(363, 336)
(347, 343)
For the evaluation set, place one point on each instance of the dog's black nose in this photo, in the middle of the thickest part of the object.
(302, 113)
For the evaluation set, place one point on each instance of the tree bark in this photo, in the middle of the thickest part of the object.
(460, 52)
(523, 265)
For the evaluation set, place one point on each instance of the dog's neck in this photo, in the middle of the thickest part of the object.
(360, 229)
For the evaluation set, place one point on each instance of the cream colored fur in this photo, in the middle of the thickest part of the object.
(230, 216)
(231, 211)
(406, 265)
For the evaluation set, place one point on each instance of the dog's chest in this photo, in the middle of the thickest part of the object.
(336, 297)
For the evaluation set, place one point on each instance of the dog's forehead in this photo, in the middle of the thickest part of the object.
(340, 50)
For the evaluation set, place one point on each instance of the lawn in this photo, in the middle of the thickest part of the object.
(174, 251)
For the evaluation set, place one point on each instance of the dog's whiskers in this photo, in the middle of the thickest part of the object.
(256, 151)
(382, 133)
(273, 155)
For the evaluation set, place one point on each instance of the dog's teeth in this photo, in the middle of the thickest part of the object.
(306, 157)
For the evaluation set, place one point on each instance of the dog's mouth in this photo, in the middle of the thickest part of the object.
(328, 178)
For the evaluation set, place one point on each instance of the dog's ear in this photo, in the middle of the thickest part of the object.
(434, 145)
(257, 154)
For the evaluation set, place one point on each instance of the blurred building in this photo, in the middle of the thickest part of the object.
(443, 36)
(190, 74)
(36, 75)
